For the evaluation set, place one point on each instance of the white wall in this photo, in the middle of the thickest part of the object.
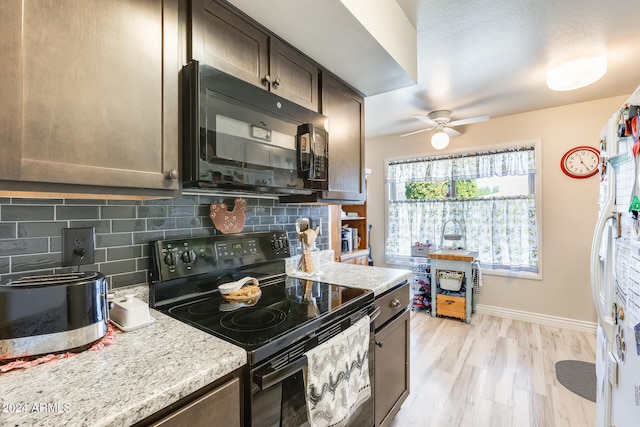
(569, 206)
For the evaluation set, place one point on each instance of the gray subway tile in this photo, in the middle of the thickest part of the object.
(125, 252)
(161, 224)
(117, 212)
(24, 246)
(5, 262)
(124, 225)
(128, 279)
(122, 239)
(29, 201)
(117, 267)
(181, 211)
(146, 237)
(77, 212)
(40, 229)
(193, 222)
(35, 262)
(114, 239)
(101, 226)
(152, 211)
(26, 213)
(267, 220)
(7, 230)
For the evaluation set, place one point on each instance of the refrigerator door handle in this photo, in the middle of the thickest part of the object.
(598, 270)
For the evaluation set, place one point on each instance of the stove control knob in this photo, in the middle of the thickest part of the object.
(171, 258)
(276, 244)
(188, 257)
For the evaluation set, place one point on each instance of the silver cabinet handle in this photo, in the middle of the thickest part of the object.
(395, 303)
(379, 344)
(266, 80)
(172, 174)
(277, 82)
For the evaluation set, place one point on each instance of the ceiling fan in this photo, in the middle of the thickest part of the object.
(440, 120)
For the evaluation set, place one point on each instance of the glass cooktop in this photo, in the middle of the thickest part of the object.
(287, 310)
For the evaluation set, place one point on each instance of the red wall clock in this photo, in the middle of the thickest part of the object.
(580, 162)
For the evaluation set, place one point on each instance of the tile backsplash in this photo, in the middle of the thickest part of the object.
(30, 230)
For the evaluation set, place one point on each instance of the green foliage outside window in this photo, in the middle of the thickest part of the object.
(465, 189)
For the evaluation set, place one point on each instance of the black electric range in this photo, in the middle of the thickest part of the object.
(185, 275)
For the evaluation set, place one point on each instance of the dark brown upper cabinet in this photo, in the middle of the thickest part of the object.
(89, 95)
(345, 110)
(224, 39)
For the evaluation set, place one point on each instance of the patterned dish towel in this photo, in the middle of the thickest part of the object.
(337, 376)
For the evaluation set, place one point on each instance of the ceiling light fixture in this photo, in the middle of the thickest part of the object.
(577, 73)
(439, 140)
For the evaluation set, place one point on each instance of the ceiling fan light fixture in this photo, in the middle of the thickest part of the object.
(439, 140)
(577, 73)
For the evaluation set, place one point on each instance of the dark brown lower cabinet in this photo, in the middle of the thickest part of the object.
(392, 362)
(215, 405)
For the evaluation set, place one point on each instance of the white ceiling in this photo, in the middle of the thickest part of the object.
(489, 57)
(474, 57)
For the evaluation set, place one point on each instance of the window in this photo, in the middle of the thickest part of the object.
(491, 194)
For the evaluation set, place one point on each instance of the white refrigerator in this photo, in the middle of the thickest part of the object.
(615, 277)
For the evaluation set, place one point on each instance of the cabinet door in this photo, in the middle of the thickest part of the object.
(91, 78)
(223, 40)
(220, 407)
(345, 110)
(392, 368)
(292, 76)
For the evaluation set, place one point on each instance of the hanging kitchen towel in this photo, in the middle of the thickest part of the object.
(337, 376)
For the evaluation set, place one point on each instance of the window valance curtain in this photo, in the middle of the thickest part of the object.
(513, 162)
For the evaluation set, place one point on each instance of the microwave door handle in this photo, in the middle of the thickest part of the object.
(269, 377)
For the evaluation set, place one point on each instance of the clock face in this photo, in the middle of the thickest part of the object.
(580, 162)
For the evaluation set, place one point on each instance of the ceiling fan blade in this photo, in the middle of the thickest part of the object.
(475, 119)
(425, 119)
(413, 133)
(451, 132)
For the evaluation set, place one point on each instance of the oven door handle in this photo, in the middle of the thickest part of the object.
(267, 377)
(374, 314)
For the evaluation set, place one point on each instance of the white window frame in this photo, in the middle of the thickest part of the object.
(404, 261)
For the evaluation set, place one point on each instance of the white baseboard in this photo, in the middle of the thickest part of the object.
(542, 319)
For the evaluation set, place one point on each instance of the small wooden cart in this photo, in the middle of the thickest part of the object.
(458, 306)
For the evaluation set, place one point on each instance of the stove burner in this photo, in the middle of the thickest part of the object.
(253, 320)
(204, 307)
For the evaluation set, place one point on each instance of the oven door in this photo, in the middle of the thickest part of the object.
(277, 398)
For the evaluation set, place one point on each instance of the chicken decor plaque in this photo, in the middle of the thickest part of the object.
(226, 221)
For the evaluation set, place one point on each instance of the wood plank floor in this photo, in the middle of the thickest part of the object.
(494, 372)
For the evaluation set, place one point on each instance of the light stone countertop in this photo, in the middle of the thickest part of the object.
(378, 279)
(142, 372)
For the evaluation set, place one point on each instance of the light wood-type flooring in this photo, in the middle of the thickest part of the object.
(493, 372)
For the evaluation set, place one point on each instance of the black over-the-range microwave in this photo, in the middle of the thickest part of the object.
(241, 138)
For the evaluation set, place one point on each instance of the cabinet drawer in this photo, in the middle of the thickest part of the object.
(392, 303)
(451, 306)
(221, 404)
